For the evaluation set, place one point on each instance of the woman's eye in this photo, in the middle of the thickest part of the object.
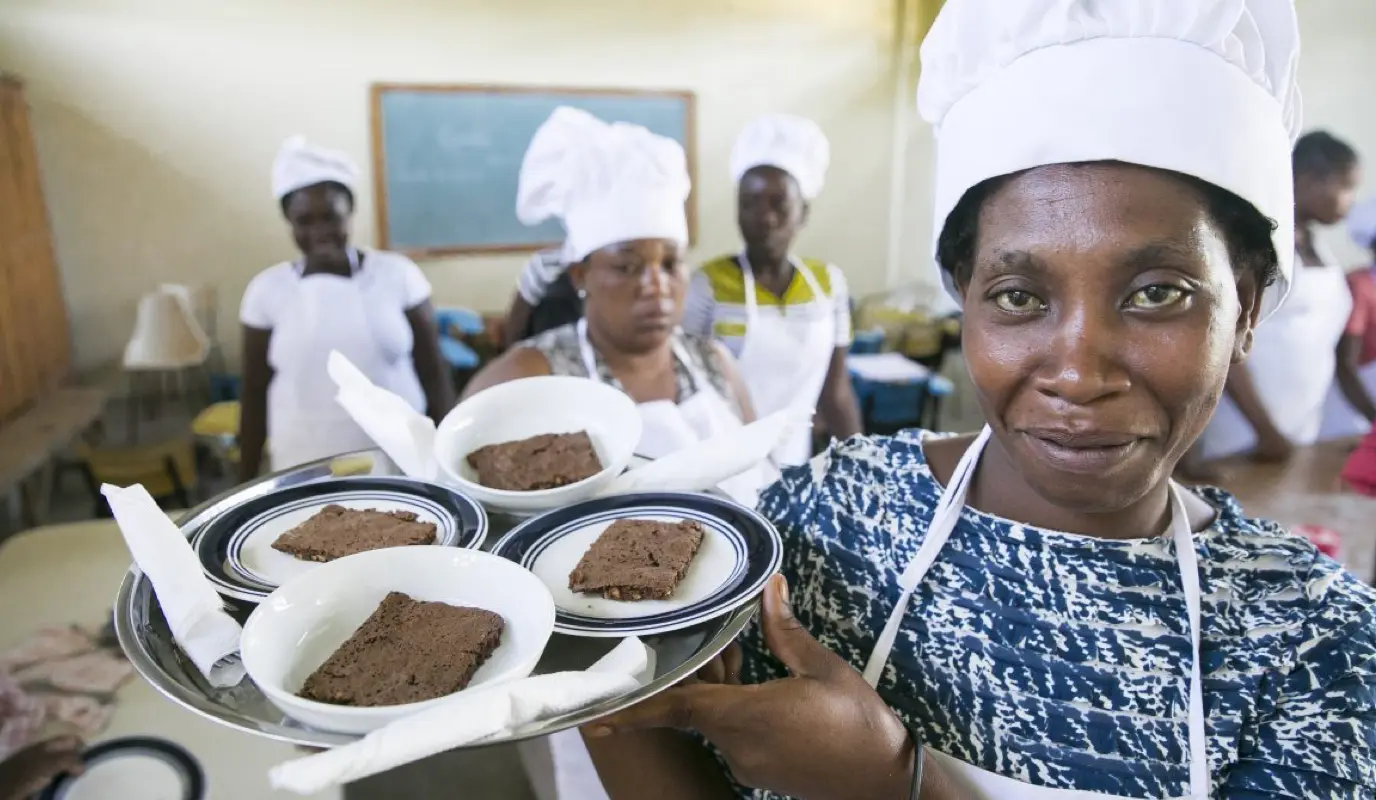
(1156, 296)
(1017, 302)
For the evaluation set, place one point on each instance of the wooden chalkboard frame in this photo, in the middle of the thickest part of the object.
(378, 90)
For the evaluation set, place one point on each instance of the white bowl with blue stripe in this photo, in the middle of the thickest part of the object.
(740, 550)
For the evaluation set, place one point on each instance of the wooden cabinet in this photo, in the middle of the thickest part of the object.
(35, 339)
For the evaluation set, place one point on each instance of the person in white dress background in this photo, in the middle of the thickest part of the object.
(786, 319)
(1275, 401)
(371, 305)
(1351, 408)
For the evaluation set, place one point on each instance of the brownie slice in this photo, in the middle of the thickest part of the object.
(406, 652)
(335, 531)
(637, 559)
(547, 461)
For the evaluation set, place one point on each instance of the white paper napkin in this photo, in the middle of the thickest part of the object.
(406, 436)
(468, 718)
(194, 611)
(710, 462)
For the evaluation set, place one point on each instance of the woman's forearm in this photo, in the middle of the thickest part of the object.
(1349, 377)
(1244, 394)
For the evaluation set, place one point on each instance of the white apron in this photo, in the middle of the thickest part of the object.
(990, 786)
(785, 357)
(667, 426)
(1292, 364)
(304, 421)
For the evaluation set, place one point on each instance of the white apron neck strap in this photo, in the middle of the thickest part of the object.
(748, 278)
(944, 520)
(1188, 563)
(585, 349)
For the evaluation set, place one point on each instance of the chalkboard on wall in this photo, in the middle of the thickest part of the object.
(446, 159)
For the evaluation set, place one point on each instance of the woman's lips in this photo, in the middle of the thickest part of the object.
(1083, 451)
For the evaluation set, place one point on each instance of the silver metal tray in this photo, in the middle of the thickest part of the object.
(147, 641)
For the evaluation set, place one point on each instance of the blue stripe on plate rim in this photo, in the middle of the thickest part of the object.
(757, 544)
(446, 532)
(471, 515)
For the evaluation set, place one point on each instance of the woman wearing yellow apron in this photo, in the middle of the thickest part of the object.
(1039, 612)
(786, 319)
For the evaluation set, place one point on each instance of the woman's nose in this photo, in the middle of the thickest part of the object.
(655, 281)
(1083, 365)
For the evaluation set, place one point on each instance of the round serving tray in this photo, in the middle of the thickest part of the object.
(147, 640)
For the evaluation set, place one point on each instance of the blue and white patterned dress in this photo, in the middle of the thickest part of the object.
(1063, 660)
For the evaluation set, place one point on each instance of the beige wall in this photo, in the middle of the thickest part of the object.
(157, 119)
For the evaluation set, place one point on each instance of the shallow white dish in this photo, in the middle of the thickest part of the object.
(297, 627)
(529, 407)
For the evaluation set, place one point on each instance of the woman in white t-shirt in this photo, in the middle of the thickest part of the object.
(373, 306)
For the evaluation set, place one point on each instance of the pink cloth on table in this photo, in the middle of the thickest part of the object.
(21, 717)
(1360, 470)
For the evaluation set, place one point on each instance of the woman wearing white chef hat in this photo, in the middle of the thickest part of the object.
(1038, 612)
(373, 306)
(785, 318)
(620, 191)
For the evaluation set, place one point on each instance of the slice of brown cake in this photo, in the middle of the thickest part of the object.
(637, 559)
(335, 531)
(547, 461)
(406, 652)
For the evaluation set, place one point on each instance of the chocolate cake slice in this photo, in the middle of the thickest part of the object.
(406, 652)
(637, 559)
(335, 531)
(547, 461)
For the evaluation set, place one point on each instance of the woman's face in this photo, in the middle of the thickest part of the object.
(634, 292)
(320, 218)
(770, 210)
(1327, 198)
(1101, 318)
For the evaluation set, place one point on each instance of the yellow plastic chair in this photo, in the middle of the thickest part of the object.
(166, 469)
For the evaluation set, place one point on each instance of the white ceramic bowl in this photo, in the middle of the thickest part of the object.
(297, 627)
(529, 407)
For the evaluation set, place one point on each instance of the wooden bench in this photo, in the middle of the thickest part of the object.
(31, 443)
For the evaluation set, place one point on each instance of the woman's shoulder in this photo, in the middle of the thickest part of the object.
(559, 347)
(722, 277)
(860, 477)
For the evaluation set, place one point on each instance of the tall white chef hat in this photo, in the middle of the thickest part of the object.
(795, 145)
(607, 183)
(1205, 87)
(300, 164)
(1361, 223)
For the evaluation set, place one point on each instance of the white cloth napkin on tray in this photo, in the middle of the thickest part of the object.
(702, 466)
(405, 435)
(193, 609)
(468, 718)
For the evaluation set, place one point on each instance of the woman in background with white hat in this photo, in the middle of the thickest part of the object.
(1039, 612)
(786, 319)
(373, 306)
(619, 191)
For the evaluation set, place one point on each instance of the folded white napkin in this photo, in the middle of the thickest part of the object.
(470, 717)
(406, 436)
(710, 462)
(194, 611)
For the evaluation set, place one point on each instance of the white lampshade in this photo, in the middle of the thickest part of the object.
(166, 334)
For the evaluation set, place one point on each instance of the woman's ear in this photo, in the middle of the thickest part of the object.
(578, 274)
(806, 215)
(1250, 294)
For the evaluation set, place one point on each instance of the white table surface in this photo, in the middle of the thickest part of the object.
(65, 574)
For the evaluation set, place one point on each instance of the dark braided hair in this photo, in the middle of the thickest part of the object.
(336, 185)
(1321, 154)
(1246, 231)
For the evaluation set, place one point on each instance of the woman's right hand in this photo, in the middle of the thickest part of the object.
(822, 733)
